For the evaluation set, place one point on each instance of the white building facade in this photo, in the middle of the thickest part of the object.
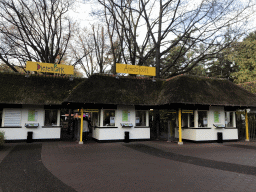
(44, 122)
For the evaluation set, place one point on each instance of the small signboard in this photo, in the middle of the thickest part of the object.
(187, 111)
(91, 110)
(125, 115)
(112, 121)
(128, 125)
(135, 69)
(50, 68)
(31, 125)
(216, 117)
(137, 120)
(219, 125)
(32, 115)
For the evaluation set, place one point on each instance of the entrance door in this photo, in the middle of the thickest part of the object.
(93, 117)
(167, 124)
(67, 125)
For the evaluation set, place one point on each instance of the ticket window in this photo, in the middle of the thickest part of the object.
(51, 117)
(202, 119)
(95, 119)
(229, 119)
(109, 117)
(1, 114)
(141, 118)
(187, 119)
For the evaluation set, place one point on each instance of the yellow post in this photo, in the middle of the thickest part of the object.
(81, 128)
(180, 131)
(246, 127)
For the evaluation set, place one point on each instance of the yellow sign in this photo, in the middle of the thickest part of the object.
(50, 68)
(91, 110)
(187, 111)
(88, 110)
(135, 69)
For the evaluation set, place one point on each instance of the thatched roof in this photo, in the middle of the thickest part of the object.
(178, 90)
(102, 89)
(205, 91)
(105, 89)
(39, 90)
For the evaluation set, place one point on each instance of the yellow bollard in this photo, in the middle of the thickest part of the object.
(81, 128)
(246, 127)
(180, 131)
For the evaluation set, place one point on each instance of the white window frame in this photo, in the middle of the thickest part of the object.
(1, 117)
(58, 118)
(104, 117)
(147, 118)
(233, 120)
(207, 115)
(188, 119)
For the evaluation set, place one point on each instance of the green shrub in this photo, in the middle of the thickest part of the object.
(1, 138)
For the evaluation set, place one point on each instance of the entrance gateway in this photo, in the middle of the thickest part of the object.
(124, 105)
(200, 114)
(72, 123)
(124, 115)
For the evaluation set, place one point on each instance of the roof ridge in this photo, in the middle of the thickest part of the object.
(39, 75)
(201, 77)
(127, 77)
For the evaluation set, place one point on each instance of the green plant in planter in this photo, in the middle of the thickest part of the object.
(1, 138)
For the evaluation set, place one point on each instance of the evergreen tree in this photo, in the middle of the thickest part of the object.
(244, 55)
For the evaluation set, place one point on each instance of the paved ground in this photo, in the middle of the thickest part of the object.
(135, 166)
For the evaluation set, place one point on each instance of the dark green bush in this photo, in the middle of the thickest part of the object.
(1, 138)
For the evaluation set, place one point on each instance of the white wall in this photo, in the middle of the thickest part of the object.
(38, 133)
(209, 134)
(105, 133)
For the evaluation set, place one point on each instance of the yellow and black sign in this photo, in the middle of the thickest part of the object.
(135, 69)
(50, 68)
(187, 111)
(88, 110)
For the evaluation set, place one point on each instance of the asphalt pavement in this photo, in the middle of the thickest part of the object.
(135, 166)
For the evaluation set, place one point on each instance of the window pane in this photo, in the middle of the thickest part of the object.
(229, 119)
(184, 120)
(1, 113)
(191, 120)
(141, 118)
(202, 119)
(109, 118)
(50, 117)
(95, 119)
(187, 120)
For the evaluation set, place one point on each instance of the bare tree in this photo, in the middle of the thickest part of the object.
(123, 24)
(33, 30)
(99, 46)
(154, 30)
(90, 50)
(166, 24)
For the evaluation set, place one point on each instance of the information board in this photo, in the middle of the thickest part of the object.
(50, 68)
(216, 117)
(135, 69)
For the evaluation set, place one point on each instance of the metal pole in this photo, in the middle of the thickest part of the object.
(180, 131)
(81, 128)
(246, 127)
